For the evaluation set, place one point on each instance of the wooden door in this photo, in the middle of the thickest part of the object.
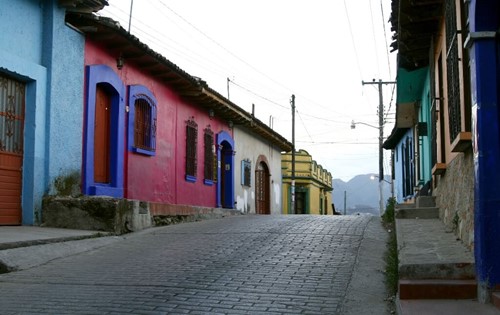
(102, 136)
(12, 106)
(262, 200)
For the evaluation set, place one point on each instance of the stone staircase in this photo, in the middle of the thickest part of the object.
(433, 264)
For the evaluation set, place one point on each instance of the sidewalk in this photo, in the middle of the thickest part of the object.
(427, 251)
(23, 247)
(21, 236)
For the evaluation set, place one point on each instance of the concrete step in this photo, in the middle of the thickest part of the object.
(425, 202)
(404, 206)
(495, 298)
(437, 289)
(427, 251)
(437, 270)
(417, 213)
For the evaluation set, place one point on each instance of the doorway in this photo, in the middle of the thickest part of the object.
(12, 108)
(102, 135)
(262, 189)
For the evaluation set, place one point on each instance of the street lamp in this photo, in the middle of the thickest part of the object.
(354, 123)
(376, 176)
(388, 182)
(380, 158)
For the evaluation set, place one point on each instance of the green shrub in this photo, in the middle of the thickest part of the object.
(388, 216)
(391, 255)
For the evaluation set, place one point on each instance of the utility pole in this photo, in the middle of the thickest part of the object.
(380, 139)
(292, 188)
(345, 201)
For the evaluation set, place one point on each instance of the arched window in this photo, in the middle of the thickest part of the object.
(142, 120)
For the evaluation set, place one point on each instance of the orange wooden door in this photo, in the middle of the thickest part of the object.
(102, 136)
(12, 103)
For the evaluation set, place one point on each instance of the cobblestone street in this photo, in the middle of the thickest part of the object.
(237, 265)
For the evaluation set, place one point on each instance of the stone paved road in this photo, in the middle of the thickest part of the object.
(237, 265)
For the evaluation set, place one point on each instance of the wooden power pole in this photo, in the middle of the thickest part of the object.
(380, 139)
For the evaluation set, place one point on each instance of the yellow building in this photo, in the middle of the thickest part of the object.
(313, 185)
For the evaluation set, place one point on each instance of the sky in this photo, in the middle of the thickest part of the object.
(262, 52)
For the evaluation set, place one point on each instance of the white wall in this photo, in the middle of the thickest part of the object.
(250, 146)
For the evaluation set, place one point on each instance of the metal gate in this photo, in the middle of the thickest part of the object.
(12, 103)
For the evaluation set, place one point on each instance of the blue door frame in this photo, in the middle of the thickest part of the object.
(225, 163)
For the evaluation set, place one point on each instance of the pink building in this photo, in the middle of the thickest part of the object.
(154, 133)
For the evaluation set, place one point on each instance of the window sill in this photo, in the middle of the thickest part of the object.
(105, 190)
(191, 179)
(143, 151)
(208, 182)
(439, 169)
(462, 142)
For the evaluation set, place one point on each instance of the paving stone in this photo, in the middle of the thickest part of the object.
(237, 265)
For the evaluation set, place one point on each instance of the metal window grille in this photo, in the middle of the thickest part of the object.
(209, 154)
(191, 145)
(12, 98)
(144, 125)
(453, 80)
(434, 114)
(247, 175)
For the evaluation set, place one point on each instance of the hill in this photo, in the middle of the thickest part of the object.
(361, 194)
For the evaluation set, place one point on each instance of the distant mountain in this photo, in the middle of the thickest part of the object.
(361, 194)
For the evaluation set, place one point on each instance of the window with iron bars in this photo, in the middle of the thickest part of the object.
(142, 120)
(454, 62)
(246, 177)
(208, 140)
(191, 147)
(144, 125)
(12, 102)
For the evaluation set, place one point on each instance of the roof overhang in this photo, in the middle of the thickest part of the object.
(83, 6)
(121, 43)
(395, 137)
(414, 23)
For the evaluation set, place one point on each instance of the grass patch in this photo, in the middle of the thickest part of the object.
(391, 254)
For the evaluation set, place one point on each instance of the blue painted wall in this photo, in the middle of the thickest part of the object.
(102, 74)
(36, 47)
(63, 54)
(485, 79)
(399, 170)
(22, 29)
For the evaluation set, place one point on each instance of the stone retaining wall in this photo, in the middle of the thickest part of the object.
(120, 216)
(455, 197)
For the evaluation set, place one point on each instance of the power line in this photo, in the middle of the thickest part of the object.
(336, 142)
(352, 40)
(390, 102)
(222, 47)
(183, 51)
(256, 94)
(305, 128)
(385, 39)
(374, 39)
